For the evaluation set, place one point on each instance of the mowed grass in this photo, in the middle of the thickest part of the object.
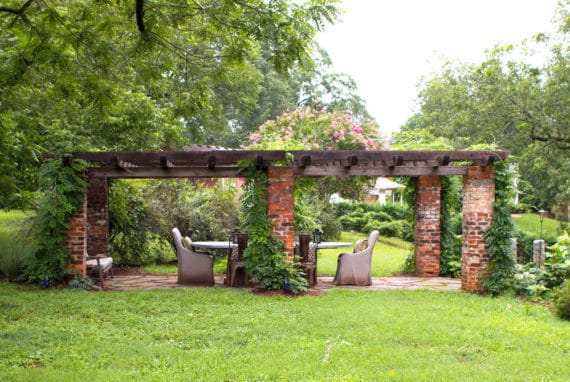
(530, 223)
(12, 221)
(220, 334)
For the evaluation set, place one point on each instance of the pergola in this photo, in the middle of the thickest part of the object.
(90, 225)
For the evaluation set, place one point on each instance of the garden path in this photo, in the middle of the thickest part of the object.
(164, 281)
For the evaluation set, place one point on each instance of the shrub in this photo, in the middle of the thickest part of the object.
(130, 227)
(63, 190)
(533, 282)
(561, 301)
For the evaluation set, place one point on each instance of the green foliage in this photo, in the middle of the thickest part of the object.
(509, 101)
(16, 243)
(15, 256)
(501, 266)
(63, 192)
(89, 75)
(143, 214)
(81, 282)
(130, 225)
(534, 282)
(390, 220)
(561, 301)
(264, 257)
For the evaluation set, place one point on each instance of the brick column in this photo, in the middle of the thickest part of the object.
(77, 239)
(478, 199)
(427, 229)
(98, 217)
(281, 205)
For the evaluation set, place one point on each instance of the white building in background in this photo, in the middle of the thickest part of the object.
(384, 190)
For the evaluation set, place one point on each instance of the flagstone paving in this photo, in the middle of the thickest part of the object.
(168, 280)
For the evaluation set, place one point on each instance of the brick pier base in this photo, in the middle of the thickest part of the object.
(427, 229)
(281, 205)
(77, 239)
(478, 199)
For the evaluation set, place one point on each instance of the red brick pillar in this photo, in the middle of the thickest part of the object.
(281, 205)
(98, 216)
(478, 199)
(427, 230)
(77, 239)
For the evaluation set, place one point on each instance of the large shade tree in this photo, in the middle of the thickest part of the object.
(514, 103)
(134, 75)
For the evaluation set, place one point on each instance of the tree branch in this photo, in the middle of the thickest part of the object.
(17, 11)
(140, 14)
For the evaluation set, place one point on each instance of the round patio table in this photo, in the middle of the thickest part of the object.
(214, 244)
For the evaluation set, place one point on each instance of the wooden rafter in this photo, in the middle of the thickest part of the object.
(205, 162)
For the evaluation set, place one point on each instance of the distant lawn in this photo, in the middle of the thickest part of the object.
(530, 224)
(12, 221)
(389, 255)
(221, 334)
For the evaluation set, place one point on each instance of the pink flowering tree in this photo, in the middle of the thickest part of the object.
(315, 128)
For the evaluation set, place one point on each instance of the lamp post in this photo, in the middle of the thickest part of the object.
(541, 213)
(317, 236)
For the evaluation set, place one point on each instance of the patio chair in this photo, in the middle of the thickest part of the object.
(236, 273)
(354, 268)
(307, 253)
(99, 266)
(194, 268)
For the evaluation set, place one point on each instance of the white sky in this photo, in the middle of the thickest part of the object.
(386, 46)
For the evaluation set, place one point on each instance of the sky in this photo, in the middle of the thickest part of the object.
(387, 46)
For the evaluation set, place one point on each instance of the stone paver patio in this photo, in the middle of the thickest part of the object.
(165, 281)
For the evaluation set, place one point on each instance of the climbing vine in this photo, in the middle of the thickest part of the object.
(63, 189)
(264, 257)
(501, 267)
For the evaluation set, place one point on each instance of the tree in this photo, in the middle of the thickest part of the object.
(134, 75)
(513, 104)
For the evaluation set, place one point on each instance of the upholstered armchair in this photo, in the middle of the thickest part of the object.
(354, 268)
(194, 268)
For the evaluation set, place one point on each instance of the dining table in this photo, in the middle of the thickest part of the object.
(225, 244)
(212, 246)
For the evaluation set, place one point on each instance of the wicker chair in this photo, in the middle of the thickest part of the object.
(236, 273)
(307, 253)
(354, 268)
(194, 268)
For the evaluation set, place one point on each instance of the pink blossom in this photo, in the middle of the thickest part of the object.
(255, 137)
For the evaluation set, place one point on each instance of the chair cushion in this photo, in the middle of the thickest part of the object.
(360, 245)
(187, 242)
(106, 263)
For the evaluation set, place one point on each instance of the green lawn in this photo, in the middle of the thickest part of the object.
(530, 223)
(11, 221)
(219, 334)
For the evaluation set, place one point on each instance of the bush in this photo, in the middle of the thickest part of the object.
(534, 282)
(561, 301)
(391, 220)
(130, 227)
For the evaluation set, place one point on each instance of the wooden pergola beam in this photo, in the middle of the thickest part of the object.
(224, 163)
